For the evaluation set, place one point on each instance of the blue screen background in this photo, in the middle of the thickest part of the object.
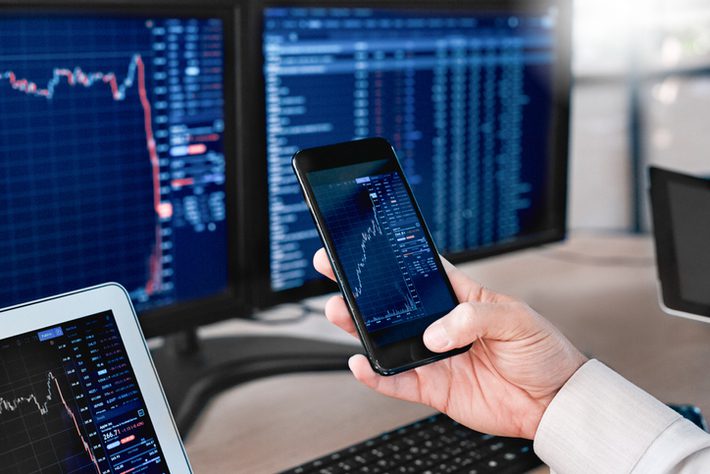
(464, 97)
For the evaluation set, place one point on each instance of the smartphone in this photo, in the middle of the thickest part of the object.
(382, 254)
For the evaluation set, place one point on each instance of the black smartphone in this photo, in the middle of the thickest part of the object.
(382, 254)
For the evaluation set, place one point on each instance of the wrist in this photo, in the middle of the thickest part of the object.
(576, 362)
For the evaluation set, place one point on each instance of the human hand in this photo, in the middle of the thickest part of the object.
(502, 385)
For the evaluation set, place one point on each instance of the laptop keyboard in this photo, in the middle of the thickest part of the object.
(433, 445)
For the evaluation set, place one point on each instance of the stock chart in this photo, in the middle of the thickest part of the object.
(388, 262)
(69, 402)
(111, 156)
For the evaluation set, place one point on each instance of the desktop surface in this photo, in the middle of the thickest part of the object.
(601, 290)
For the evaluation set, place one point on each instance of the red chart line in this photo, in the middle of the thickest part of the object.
(163, 210)
(136, 70)
(43, 409)
(87, 448)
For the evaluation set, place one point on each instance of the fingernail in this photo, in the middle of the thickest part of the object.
(436, 337)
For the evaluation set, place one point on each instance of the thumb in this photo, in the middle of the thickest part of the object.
(470, 321)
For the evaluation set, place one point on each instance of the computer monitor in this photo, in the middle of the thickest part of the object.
(473, 96)
(118, 155)
(681, 228)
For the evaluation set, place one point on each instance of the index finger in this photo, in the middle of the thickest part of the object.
(469, 290)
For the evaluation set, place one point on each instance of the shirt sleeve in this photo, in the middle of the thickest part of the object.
(601, 422)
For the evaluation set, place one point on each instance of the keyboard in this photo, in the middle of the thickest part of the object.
(433, 445)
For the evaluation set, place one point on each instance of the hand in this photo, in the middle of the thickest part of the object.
(502, 385)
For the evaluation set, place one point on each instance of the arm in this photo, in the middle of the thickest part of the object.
(601, 422)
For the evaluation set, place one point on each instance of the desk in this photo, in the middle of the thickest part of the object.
(600, 290)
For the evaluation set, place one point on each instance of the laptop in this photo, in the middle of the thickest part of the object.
(78, 390)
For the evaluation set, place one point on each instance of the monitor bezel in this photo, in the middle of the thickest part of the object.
(671, 296)
(556, 228)
(232, 300)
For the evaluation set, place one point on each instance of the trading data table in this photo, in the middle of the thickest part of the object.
(465, 99)
(111, 156)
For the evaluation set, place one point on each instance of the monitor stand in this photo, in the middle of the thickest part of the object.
(193, 370)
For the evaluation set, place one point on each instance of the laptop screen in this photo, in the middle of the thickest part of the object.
(70, 402)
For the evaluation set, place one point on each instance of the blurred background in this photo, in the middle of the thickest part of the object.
(641, 96)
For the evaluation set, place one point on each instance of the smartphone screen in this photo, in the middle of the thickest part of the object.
(382, 253)
(389, 265)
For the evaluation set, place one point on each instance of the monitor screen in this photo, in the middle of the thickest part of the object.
(112, 154)
(467, 98)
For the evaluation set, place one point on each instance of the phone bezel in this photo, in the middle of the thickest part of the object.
(395, 357)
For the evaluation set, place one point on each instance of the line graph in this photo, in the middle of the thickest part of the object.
(77, 76)
(113, 155)
(391, 296)
(409, 306)
(70, 402)
(15, 404)
(383, 249)
(363, 216)
(135, 74)
(372, 231)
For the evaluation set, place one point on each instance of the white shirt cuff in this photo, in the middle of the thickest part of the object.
(599, 422)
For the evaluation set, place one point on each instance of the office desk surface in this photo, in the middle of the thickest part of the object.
(600, 290)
